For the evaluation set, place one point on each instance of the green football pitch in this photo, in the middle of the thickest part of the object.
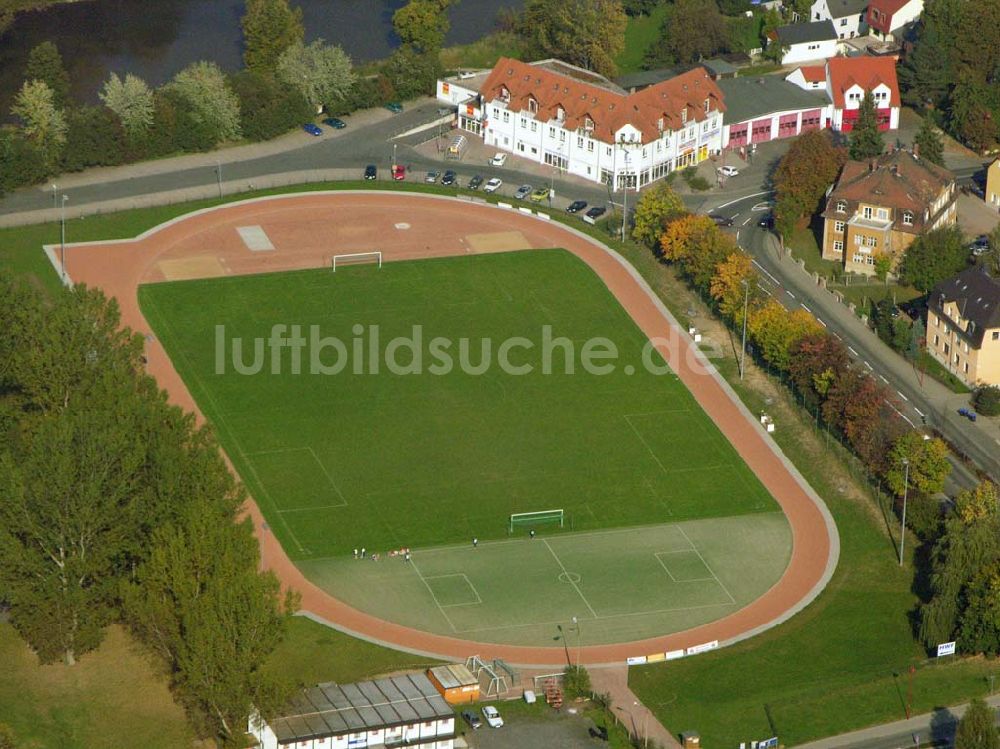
(664, 526)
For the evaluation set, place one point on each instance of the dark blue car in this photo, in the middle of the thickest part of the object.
(312, 129)
(335, 122)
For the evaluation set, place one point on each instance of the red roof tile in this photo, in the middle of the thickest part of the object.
(609, 110)
(813, 73)
(866, 72)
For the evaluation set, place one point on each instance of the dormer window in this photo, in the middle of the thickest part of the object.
(684, 116)
(560, 114)
(533, 105)
(841, 206)
(908, 218)
(504, 94)
(588, 124)
(708, 105)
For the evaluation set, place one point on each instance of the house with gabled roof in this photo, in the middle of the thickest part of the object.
(805, 41)
(963, 326)
(847, 16)
(578, 121)
(878, 207)
(887, 17)
(848, 79)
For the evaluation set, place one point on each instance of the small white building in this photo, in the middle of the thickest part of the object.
(848, 16)
(848, 79)
(401, 710)
(579, 122)
(887, 17)
(804, 42)
(809, 77)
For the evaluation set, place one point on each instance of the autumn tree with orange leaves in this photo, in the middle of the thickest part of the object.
(776, 330)
(735, 282)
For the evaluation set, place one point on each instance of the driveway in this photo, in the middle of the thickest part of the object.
(550, 730)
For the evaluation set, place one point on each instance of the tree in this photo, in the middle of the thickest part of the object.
(22, 162)
(866, 139)
(682, 236)
(803, 176)
(588, 33)
(815, 364)
(44, 122)
(268, 108)
(46, 64)
(966, 553)
(412, 74)
(692, 31)
(977, 729)
(211, 105)
(928, 465)
(987, 400)
(928, 142)
(94, 138)
(576, 681)
(132, 102)
(320, 72)
(269, 28)
(777, 331)
(934, 256)
(925, 76)
(658, 205)
(422, 24)
(201, 602)
(734, 286)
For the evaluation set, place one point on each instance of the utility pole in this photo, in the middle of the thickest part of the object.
(218, 176)
(62, 236)
(562, 636)
(55, 203)
(746, 302)
(902, 527)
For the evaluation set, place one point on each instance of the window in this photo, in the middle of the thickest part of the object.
(867, 211)
(965, 368)
(838, 246)
(937, 339)
(908, 218)
(532, 105)
(996, 335)
(607, 151)
(659, 124)
(871, 242)
(590, 146)
(883, 214)
(843, 21)
(588, 124)
(839, 225)
(506, 116)
(534, 127)
(579, 141)
(560, 114)
(841, 206)
(496, 112)
(552, 132)
(562, 136)
(684, 116)
(524, 122)
(708, 104)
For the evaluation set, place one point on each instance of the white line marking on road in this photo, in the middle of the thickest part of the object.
(749, 219)
(921, 413)
(790, 293)
(901, 414)
(807, 309)
(851, 349)
(903, 397)
(882, 377)
(737, 236)
(869, 366)
(737, 200)
(823, 324)
(764, 271)
(761, 287)
(836, 335)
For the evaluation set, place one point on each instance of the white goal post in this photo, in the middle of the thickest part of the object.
(534, 518)
(352, 258)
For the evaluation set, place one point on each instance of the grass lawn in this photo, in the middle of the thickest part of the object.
(640, 34)
(937, 370)
(114, 697)
(354, 460)
(482, 53)
(803, 246)
(864, 295)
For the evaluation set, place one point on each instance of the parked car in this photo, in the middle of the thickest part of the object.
(981, 245)
(398, 172)
(444, 111)
(728, 171)
(523, 192)
(493, 185)
(450, 178)
(371, 172)
(431, 177)
(720, 220)
(335, 122)
(472, 719)
(576, 206)
(499, 159)
(539, 195)
(766, 221)
(312, 129)
(594, 213)
(476, 182)
(492, 716)
(394, 106)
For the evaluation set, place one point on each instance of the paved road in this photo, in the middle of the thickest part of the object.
(917, 398)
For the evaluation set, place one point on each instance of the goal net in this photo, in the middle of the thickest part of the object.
(536, 518)
(355, 258)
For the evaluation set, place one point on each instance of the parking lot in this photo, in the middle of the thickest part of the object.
(542, 729)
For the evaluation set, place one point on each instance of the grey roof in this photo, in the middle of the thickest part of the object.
(843, 8)
(977, 295)
(644, 78)
(750, 98)
(718, 66)
(802, 33)
(335, 709)
(454, 675)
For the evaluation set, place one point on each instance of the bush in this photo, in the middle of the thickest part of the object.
(576, 682)
(694, 180)
(268, 109)
(986, 399)
(95, 138)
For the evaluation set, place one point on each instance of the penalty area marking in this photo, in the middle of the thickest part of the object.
(674, 579)
(468, 582)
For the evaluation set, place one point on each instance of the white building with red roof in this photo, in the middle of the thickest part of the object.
(846, 80)
(575, 120)
(885, 17)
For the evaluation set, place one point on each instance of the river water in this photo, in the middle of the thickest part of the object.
(156, 38)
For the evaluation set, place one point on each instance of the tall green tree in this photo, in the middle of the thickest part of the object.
(269, 28)
(658, 205)
(934, 256)
(320, 72)
(803, 176)
(692, 31)
(46, 64)
(977, 729)
(203, 604)
(422, 24)
(866, 139)
(929, 142)
(211, 104)
(132, 102)
(588, 33)
(928, 465)
(44, 123)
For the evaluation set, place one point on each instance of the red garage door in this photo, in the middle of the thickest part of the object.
(761, 131)
(738, 135)
(812, 120)
(788, 125)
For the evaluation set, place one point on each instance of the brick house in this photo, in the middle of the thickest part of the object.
(878, 208)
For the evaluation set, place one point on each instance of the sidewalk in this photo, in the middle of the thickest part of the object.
(635, 716)
(936, 725)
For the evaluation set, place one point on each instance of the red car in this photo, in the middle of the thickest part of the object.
(398, 172)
